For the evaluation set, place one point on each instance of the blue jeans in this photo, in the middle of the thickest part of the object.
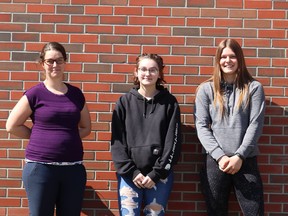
(48, 186)
(247, 184)
(130, 197)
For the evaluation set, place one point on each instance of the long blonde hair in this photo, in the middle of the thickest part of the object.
(242, 80)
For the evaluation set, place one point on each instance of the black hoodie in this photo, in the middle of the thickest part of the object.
(146, 134)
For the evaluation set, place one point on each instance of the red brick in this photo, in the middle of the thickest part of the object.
(105, 176)
(61, 38)
(157, 12)
(200, 3)
(256, 42)
(271, 33)
(281, 5)
(171, 3)
(84, 19)
(168, 21)
(99, 10)
(112, 78)
(131, 49)
(131, 30)
(127, 10)
(171, 40)
(157, 31)
(251, 4)
(80, 38)
(70, 28)
(13, 8)
(204, 22)
(141, 20)
(55, 18)
(214, 13)
(115, 20)
(143, 3)
(229, 4)
(40, 8)
(84, 57)
(271, 14)
(252, 14)
(5, 17)
(185, 12)
(9, 202)
(99, 29)
(87, 2)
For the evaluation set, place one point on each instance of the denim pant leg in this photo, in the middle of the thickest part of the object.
(71, 190)
(49, 185)
(249, 189)
(156, 199)
(41, 185)
(130, 197)
(216, 188)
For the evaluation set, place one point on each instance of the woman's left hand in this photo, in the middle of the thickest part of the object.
(234, 165)
(148, 182)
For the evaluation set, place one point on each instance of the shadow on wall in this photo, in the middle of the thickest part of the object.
(187, 181)
(186, 193)
(93, 205)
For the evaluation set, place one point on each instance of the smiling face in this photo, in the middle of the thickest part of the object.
(53, 64)
(147, 72)
(228, 64)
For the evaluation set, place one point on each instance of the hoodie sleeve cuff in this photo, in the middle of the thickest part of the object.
(135, 173)
(217, 154)
(154, 177)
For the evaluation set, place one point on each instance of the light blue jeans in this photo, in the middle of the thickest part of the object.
(130, 197)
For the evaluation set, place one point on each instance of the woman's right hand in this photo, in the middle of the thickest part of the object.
(223, 162)
(138, 180)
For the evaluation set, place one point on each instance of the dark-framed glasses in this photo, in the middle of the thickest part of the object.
(153, 70)
(50, 62)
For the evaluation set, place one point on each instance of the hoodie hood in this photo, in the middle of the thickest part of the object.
(149, 105)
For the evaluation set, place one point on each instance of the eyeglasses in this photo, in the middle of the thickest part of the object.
(50, 62)
(153, 70)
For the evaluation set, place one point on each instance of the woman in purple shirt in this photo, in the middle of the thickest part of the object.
(54, 175)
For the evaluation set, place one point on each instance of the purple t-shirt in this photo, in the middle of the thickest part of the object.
(55, 135)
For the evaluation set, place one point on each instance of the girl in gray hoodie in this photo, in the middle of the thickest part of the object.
(229, 115)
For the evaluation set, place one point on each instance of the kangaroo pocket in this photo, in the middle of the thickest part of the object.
(145, 156)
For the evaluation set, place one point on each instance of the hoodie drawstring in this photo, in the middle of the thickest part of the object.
(228, 89)
(153, 106)
(144, 107)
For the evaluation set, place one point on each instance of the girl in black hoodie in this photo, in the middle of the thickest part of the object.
(145, 140)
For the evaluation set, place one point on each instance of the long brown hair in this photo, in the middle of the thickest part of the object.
(242, 80)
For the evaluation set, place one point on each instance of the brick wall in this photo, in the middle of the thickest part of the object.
(103, 38)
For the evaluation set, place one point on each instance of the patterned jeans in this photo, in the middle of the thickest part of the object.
(130, 197)
(247, 184)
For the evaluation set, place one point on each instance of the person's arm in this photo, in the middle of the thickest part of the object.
(85, 122)
(256, 121)
(18, 116)
(123, 163)
(171, 148)
(203, 121)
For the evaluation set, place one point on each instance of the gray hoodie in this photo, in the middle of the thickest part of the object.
(238, 132)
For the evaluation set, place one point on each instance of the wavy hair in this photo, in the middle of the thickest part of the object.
(158, 59)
